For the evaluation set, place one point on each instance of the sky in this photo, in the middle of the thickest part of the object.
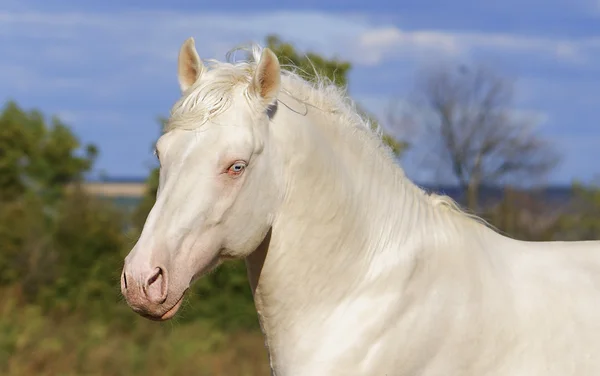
(108, 68)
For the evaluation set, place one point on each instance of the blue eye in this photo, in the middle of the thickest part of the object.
(236, 168)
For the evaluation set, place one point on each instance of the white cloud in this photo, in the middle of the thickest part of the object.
(106, 52)
(389, 42)
(107, 56)
(114, 119)
(158, 35)
(378, 44)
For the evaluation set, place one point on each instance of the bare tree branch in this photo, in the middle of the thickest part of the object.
(468, 117)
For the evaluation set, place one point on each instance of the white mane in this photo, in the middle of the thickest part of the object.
(209, 97)
(212, 95)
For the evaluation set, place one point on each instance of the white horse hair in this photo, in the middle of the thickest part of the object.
(354, 269)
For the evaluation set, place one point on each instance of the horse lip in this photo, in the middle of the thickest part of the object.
(169, 314)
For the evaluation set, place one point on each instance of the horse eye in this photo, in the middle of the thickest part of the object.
(237, 168)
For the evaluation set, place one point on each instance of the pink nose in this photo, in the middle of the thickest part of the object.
(145, 291)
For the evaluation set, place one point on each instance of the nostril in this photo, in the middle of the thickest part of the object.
(124, 280)
(154, 277)
(156, 286)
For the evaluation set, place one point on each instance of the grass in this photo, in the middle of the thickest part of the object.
(32, 343)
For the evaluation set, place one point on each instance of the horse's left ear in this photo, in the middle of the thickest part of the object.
(189, 65)
(267, 77)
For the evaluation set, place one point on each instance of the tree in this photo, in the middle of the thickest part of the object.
(39, 157)
(37, 161)
(56, 241)
(525, 215)
(306, 65)
(583, 221)
(468, 116)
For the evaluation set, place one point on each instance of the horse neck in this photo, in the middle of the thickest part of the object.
(349, 217)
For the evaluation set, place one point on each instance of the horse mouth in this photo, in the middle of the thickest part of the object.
(169, 314)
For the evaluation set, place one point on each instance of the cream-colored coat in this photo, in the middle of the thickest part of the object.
(354, 269)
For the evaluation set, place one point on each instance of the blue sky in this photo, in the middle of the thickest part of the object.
(108, 69)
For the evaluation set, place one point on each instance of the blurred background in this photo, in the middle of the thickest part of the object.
(495, 104)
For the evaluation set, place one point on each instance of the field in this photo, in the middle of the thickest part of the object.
(34, 344)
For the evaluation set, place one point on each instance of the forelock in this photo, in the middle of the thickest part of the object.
(212, 94)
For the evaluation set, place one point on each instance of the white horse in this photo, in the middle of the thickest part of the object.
(354, 269)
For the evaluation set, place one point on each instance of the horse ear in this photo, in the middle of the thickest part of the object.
(267, 77)
(189, 65)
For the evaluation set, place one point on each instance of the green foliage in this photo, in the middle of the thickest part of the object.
(523, 215)
(88, 241)
(60, 246)
(309, 65)
(38, 157)
(583, 223)
(224, 298)
(24, 256)
(74, 344)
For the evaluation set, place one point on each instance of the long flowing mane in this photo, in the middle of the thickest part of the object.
(211, 96)
(208, 98)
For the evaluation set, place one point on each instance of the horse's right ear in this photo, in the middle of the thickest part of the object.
(189, 65)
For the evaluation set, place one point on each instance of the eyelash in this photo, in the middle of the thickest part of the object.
(234, 173)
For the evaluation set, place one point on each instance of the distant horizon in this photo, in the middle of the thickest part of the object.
(128, 191)
(142, 179)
